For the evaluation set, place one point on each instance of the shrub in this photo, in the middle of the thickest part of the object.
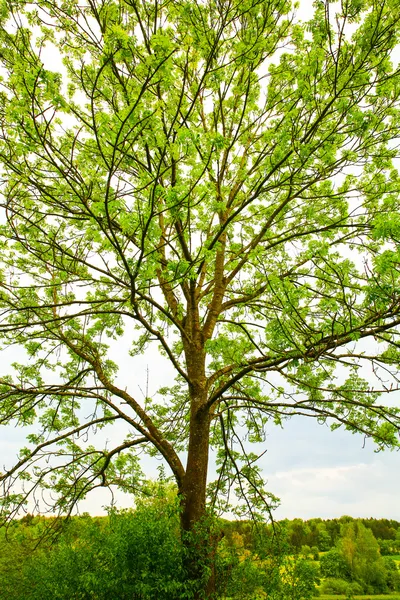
(335, 586)
(356, 588)
(127, 556)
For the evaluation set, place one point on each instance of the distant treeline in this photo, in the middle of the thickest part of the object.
(324, 534)
(354, 556)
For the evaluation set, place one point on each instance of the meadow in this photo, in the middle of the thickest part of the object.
(364, 597)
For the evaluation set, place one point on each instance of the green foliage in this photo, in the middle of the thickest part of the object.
(361, 597)
(241, 574)
(356, 559)
(269, 571)
(305, 551)
(16, 547)
(177, 151)
(315, 552)
(333, 565)
(360, 550)
(389, 547)
(324, 540)
(139, 554)
(325, 534)
(392, 574)
(215, 181)
(298, 580)
(340, 587)
(127, 555)
(354, 565)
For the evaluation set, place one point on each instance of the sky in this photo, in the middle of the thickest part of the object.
(315, 472)
(319, 473)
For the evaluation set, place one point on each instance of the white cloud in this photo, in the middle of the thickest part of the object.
(359, 490)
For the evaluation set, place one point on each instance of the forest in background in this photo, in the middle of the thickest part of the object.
(139, 555)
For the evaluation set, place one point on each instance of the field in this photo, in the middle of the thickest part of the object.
(395, 596)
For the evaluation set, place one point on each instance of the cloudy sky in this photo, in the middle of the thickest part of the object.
(319, 473)
(314, 471)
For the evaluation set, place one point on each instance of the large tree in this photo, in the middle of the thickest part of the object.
(216, 179)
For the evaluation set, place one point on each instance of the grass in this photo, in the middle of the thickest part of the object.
(395, 596)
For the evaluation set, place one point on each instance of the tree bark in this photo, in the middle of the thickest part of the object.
(195, 479)
(194, 522)
(193, 517)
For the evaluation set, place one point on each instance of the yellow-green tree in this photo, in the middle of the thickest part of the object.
(214, 179)
(360, 551)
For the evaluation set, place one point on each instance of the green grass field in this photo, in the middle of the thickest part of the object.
(395, 596)
(396, 557)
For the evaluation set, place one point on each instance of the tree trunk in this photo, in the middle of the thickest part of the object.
(194, 522)
(195, 480)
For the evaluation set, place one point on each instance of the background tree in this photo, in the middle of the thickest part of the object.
(215, 179)
(324, 539)
(334, 565)
(360, 551)
(357, 559)
(299, 531)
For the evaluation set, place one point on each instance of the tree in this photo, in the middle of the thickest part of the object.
(324, 539)
(305, 551)
(298, 533)
(341, 587)
(360, 551)
(16, 547)
(213, 179)
(298, 580)
(392, 574)
(333, 565)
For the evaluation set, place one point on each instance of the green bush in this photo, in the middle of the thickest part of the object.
(336, 586)
(130, 555)
(392, 574)
(355, 588)
(334, 566)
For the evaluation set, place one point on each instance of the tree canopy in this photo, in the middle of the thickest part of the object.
(216, 179)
